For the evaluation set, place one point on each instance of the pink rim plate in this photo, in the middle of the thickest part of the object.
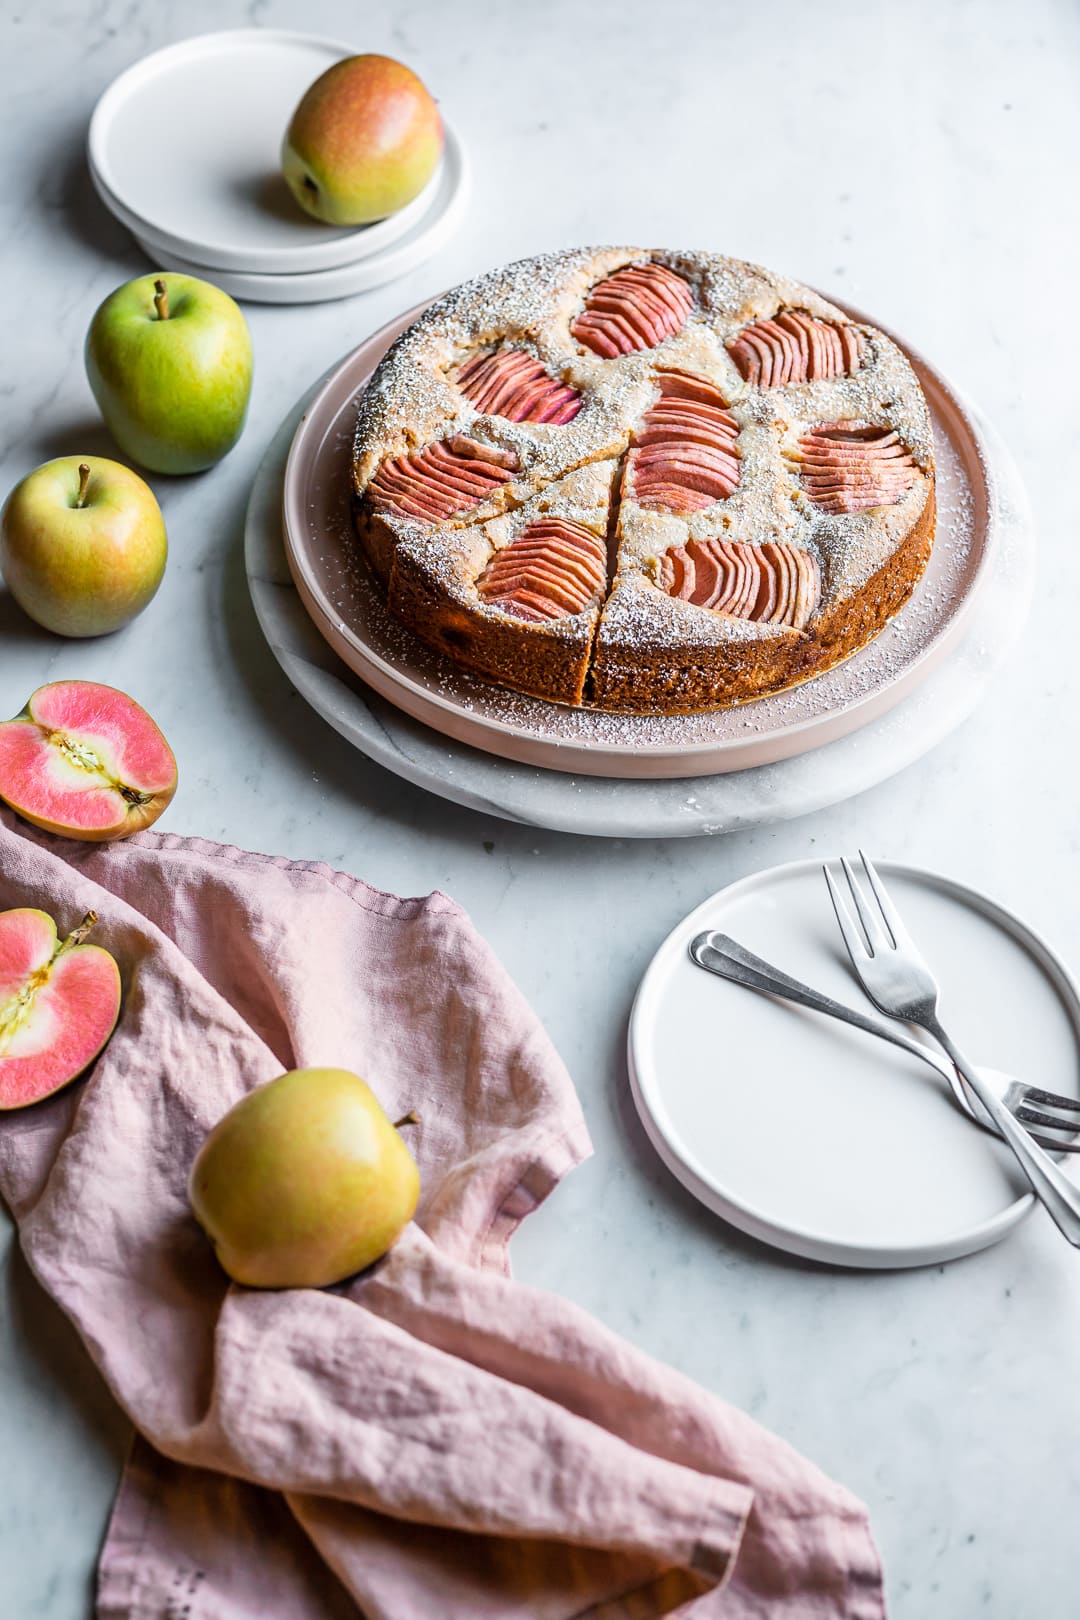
(345, 606)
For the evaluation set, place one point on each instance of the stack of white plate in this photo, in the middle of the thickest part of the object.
(184, 149)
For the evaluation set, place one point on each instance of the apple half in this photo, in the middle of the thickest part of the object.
(59, 1002)
(85, 761)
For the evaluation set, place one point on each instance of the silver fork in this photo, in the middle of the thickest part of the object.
(724, 956)
(899, 982)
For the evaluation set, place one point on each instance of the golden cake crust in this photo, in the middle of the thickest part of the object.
(800, 454)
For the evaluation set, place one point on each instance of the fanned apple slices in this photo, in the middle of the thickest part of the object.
(554, 568)
(442, 479)
(848, 468)
(634, 309)
(796, 347)
(513, 384)
(684, 456)
(771, 584)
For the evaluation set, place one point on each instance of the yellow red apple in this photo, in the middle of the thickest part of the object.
(303, 1182)
(82, 545)
(364, 140)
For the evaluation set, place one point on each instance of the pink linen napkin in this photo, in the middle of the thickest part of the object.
(431, 1441)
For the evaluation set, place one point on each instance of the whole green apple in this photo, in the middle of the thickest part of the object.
(82, 545)
(363, 142)
(304, 1181)
(169, 360)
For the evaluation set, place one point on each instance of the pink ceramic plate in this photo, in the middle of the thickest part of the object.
(346, 607)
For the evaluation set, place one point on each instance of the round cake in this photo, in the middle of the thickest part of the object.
(653, 482)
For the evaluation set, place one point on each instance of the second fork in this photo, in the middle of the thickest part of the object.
(900, 983)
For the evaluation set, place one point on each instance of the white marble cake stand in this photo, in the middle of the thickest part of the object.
(684, 808)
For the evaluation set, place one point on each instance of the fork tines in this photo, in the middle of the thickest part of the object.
(871, 936)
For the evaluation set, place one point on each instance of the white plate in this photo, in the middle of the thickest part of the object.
(184, 149)
(427, 236)
(366, 242)
(821, 1140)
(623, 809)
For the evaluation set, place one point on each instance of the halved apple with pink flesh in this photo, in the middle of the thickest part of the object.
(59, 1002)
(85, 761)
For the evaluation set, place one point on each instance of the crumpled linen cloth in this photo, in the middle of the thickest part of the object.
(432, 1440)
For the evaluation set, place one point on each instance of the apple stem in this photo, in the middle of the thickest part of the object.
(77, 935)
(84, 484)
(161, 299)
(411, 1118)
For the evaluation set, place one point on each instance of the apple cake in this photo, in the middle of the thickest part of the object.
(653, 482)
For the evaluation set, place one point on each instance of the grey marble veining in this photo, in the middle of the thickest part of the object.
(917, 160)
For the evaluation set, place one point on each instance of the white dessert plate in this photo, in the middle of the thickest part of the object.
(373, 240)
(184, 149)
(605, 807)
(821, 1140)
(348, 611)
(426, 237)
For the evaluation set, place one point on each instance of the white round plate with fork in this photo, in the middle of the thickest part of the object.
(815, 1137)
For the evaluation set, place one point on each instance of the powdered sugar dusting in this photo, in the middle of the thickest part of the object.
(532, 305)
(354, 602)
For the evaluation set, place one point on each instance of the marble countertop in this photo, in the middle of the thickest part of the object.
(917, 160)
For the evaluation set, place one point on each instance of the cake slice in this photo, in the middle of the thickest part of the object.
(517, 598)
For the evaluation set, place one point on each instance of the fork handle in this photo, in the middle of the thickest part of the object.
(725, 957)
(1055, 1190)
